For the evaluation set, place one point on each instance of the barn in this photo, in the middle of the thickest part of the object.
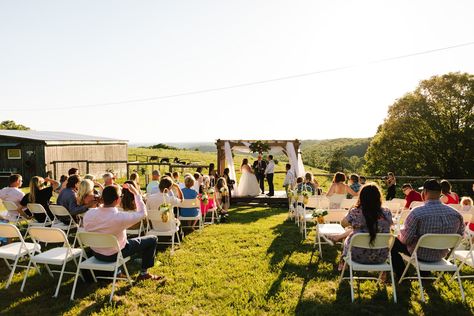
(31, 153)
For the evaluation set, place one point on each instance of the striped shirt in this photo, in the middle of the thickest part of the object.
(432, 218)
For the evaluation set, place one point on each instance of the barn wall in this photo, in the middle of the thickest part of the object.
(91, 152)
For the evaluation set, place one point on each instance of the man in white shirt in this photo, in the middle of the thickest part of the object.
(152, 186)
(269, 175)
(165, 194)
(109, 220)
(13, 194)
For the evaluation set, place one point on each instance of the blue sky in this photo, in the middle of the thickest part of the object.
(59, 60)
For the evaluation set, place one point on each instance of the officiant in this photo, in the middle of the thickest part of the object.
(259, 167)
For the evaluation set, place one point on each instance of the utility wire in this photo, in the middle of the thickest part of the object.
(235, 86)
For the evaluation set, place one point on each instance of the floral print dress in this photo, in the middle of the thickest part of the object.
(357, 220)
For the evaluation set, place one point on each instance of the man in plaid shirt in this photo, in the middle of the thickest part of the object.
(432, 218)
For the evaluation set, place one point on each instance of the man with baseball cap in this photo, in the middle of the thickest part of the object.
(433, 217)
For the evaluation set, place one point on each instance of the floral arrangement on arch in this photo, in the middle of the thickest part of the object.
(259, 147)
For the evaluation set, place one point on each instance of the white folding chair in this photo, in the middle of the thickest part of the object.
(12, 211)
(466, 257)
(36, 208)
(362, 240)
(60, 211)
(393, 206)
(191, 203)
(305, 213)
(416, 204)
(348, 203)
(438, 242)
(59, 256)
(97, 241)
(163, 229)
(16, 250)
(332, 227)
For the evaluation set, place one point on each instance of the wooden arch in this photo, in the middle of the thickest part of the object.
(233, 143)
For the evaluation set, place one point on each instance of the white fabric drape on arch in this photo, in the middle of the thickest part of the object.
(230, 162)
(296, 162)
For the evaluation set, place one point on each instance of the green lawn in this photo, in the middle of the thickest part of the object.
(255, 265)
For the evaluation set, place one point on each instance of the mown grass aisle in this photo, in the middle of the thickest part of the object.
(255, 265)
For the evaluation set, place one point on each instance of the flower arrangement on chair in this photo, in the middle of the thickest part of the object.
(318, 215)
(306, 195)
(165, 209)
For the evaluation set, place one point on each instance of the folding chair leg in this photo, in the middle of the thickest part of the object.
(113, 284)
(421, 284)
(49, 270)
(460, 285)
(404, 272)
(351, 280)
(126, 273)
(26, 276)
(172, 243)
(10, 277)
(60, 279)
(8, 264)
(342, 272)
(75, 280)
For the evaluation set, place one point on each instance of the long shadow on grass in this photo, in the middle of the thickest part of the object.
(37, 296)
(249, 214)
(287, 243)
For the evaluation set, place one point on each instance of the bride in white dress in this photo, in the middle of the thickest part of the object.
(248, 184)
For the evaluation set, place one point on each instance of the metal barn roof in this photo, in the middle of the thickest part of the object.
(58, 137)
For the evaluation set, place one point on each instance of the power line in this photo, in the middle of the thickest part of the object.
(241, 85)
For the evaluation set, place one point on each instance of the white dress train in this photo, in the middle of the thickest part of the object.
(248, 184)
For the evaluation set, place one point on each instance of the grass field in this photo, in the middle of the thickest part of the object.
(255, 265)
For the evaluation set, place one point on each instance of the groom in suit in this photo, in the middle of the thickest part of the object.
(259, 167)
(269, 175)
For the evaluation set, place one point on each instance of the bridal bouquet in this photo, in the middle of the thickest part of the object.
(223, 191)
(165, 209)
(204, 198)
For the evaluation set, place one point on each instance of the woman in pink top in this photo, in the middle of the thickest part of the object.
(448, 197)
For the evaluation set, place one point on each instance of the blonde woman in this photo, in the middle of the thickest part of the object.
(40, 194)
(85, 194)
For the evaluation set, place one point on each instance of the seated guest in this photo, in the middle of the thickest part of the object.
(188, 194)
(367, 216)
(86, 195)
(354, 184)
(307, 184)
(109, 179)
(135, 178)
(40, 194)
(338, 190)
(432, 218)
(128, 202)
(222, 195)
(362, 180)
(197, 182)
(176, 179)
(98, 187)
(206, 188)
(466, 204)
(12, 193)
(447, 196)
(164, 194)
(73, 171)
(410, 195)
(68, 198)
(230, 182)
(109, 220)
(62, 183)
(153, 185)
